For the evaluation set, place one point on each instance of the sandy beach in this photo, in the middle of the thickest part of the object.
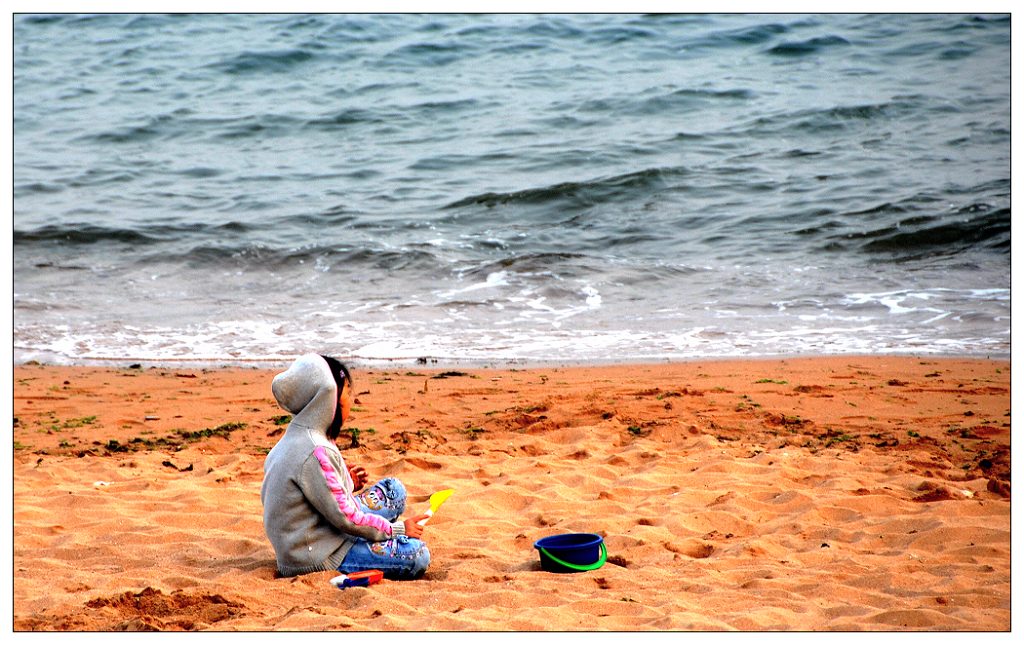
(842, 493)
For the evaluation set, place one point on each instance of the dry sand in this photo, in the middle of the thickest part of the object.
(849, 493)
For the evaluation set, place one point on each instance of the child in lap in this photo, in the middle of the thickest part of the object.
(401, 557)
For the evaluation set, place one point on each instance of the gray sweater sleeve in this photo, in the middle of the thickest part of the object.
(325, 485)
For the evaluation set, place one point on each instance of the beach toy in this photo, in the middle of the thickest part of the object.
(358, 579)
(571, 552)
(436, 500)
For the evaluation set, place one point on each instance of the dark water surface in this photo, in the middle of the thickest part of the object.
(495, 187)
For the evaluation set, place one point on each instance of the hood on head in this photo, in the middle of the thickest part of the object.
(308, 391)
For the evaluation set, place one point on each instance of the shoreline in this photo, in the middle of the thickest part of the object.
(807, 493)
(434, 362)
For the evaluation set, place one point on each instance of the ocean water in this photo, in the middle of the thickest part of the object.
(509, 188)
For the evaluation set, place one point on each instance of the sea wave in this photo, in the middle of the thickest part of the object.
(809, 47)
(978, 226)
(263, 62)
(585, 192)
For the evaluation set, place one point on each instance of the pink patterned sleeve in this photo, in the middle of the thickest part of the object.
(346, 503)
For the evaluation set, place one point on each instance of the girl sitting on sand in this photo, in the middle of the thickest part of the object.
(310, 512)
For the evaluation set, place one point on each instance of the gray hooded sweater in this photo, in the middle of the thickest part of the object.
(309, 512)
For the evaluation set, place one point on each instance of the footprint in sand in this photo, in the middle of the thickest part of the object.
(694, 549)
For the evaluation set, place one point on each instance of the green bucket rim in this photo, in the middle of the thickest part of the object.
(579, 567)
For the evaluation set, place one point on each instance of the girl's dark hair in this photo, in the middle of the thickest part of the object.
(341, 376)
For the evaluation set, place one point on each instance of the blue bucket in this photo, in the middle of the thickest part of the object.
(571, 552)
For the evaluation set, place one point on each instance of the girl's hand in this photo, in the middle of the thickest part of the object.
(359, 477)
(412, 529)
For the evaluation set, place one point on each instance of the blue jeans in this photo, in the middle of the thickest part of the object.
(401, 557)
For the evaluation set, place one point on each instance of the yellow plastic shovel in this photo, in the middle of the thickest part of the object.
(436, 500)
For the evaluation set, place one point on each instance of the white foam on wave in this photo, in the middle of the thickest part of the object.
(493, 280)
(569, 324)
(407, 341)
(903, 301)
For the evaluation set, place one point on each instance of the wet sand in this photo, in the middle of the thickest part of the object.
(843, 493)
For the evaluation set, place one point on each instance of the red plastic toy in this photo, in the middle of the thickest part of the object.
(358, 579)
